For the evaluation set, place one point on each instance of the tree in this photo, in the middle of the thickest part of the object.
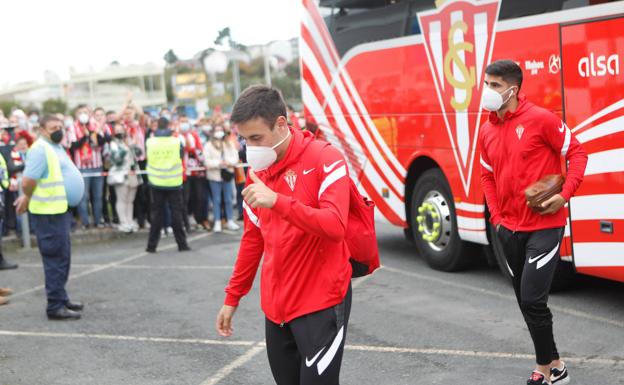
(226, 34)
(53, 106)
(7, 106)
(170, 57)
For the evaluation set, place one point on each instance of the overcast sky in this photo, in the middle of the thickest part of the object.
(40, 35)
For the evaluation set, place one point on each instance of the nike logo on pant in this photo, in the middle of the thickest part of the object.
(544, 258)
(313, 360)
(331, 352)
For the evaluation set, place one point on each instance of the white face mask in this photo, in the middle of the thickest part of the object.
(492, 100)
(185, 127)
(261, 157)
(219, 135)
(206, 129)
(83, 118)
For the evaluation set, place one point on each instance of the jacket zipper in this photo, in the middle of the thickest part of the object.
(279, 272)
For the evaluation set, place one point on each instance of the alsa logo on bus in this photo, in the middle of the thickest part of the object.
(458, 38)
(601, 65)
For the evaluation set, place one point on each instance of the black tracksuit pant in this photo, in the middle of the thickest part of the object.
(532, 258)
(308, 350)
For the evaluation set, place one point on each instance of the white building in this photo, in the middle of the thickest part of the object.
(108, 88)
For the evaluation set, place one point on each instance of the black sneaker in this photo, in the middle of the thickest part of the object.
(560, 376)
(537, 378)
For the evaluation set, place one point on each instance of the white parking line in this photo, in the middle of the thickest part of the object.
(229, 368)
(359, 281)
(463, 286)
(141, 267)
(474, 353)
(107, 266)
(197, 341)
(259, 346)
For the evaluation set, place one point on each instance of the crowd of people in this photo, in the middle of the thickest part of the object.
(108, 148)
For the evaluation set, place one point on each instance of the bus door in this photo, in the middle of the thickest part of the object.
(592, 56)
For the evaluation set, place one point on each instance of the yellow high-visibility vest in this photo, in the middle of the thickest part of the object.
(164, 164)
(49, 196)
(4, 172)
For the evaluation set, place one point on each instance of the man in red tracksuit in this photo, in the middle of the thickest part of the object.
(521, 143)
(296, 209)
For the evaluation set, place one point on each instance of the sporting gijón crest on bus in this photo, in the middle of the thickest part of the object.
(458, 38)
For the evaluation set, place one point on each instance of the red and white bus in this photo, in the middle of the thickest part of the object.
(396, 85)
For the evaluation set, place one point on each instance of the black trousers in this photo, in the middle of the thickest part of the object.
(195, 197)
(532, 258)
(109, 196)
(159, 198)
(308, 350)
(142, 199)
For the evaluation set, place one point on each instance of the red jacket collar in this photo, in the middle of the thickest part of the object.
(523, 105)
(298, 143)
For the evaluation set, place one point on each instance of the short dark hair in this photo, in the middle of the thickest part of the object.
(163, 123)
(79, 107)
(259, 101)
(48, 118)
(507, 69)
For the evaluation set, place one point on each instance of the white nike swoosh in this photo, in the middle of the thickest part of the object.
(306, 172)
(531, 260)
(562, 127)
(331, 166)
(331, 352)
(313, 360)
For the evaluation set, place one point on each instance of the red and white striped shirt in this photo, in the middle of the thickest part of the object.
(136, 133)
(89, 154)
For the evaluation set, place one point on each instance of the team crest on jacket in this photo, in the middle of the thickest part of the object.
(291, 178)
(520, 131)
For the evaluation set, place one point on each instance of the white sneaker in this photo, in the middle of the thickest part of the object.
(217, 227)
(231, 225)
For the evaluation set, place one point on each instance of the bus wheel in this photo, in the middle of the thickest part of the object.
(434, 224)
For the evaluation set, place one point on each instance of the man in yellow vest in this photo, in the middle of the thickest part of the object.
(164, 174)
(4, 184)
(51, 183)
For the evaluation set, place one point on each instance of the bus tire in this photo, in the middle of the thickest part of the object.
(432, 204)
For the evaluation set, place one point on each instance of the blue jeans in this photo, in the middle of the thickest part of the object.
(216, 189)
(94, 189)
(55, 247)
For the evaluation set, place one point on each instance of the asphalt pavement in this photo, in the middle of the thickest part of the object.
(149, 319)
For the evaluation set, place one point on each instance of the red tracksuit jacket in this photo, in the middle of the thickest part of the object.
(518, 151)
(306, 261)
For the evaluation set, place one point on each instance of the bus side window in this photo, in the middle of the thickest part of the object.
(353, 26)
